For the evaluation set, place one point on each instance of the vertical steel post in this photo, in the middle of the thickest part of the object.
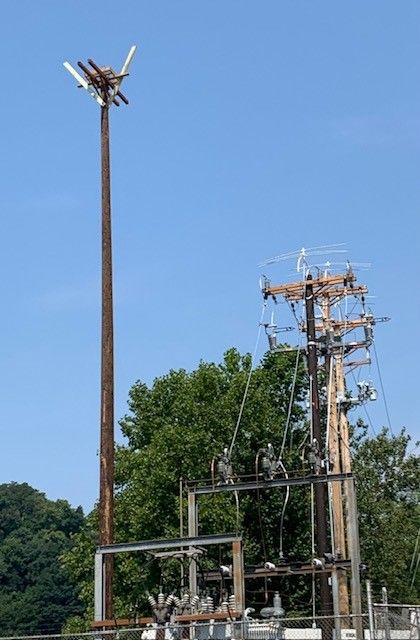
(99, 587)
(336, 602)
(370, 610)
(106, 482)
(386, 613)
(319, 488)
(354, 548)
(181, 528)
(192, 532)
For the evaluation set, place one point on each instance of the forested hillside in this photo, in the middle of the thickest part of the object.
(36, 592)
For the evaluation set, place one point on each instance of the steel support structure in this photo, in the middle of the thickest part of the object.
(354, 551)
(261, 485)
(370, 610)
(192, 533)
(104, 551)
(347, 478)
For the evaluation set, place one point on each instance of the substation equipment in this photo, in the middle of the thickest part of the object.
(337, 541)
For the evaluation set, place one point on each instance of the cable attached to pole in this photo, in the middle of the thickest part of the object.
(283, 511)
(292, 397)
(251, 369)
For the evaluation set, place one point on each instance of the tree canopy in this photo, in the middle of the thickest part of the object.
(173, 430)
(36, 592)
(388, 495)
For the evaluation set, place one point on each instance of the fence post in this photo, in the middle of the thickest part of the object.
(386, 613)
(370, 610)
(354, 548)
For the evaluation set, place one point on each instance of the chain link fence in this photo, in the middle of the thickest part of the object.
(386, 624)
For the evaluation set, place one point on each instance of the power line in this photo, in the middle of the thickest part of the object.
(382, 389)
(292, 394)
(251, 369)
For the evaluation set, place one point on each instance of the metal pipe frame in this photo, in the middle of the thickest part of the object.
(297, 569)
(354, 552)
(269, 484)
(354, 547)
(192, 532)
(155, 545)
(168, 543)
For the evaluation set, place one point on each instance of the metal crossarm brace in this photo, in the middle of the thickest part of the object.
(269, 484)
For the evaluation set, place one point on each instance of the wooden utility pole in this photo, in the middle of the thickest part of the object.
(319, 489)
(351, 515)
(338, 538)
(106, 466)
(328, 339)
(337, 513)
(338, 529)
(103, 84)
(343, 424)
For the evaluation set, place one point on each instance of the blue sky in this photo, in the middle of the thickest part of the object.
(254, 128)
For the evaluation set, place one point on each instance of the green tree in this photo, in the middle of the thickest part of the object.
(36, 593)
(175, 428)
(388, 492)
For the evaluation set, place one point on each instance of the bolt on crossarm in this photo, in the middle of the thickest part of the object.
(103, 84)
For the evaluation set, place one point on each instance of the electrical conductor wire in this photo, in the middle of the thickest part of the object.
(382, 389)
(292, 394)
(251, 369)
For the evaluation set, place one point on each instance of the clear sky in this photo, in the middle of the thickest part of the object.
(254, 128)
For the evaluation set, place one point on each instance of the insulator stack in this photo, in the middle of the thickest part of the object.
(203, 605)
(177, 601)
(210, 604)
(224, 607)
(170, 600)
(266, 464)
(272, 341)
(161, 598)
(232, 602)
(152, 601)
(194, 601)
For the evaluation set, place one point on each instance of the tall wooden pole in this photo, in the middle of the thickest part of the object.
(319, 489)
(337, 505)
(350, 500)
(341, 594)
(106, 490)
(103, 85)
(342, 417)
